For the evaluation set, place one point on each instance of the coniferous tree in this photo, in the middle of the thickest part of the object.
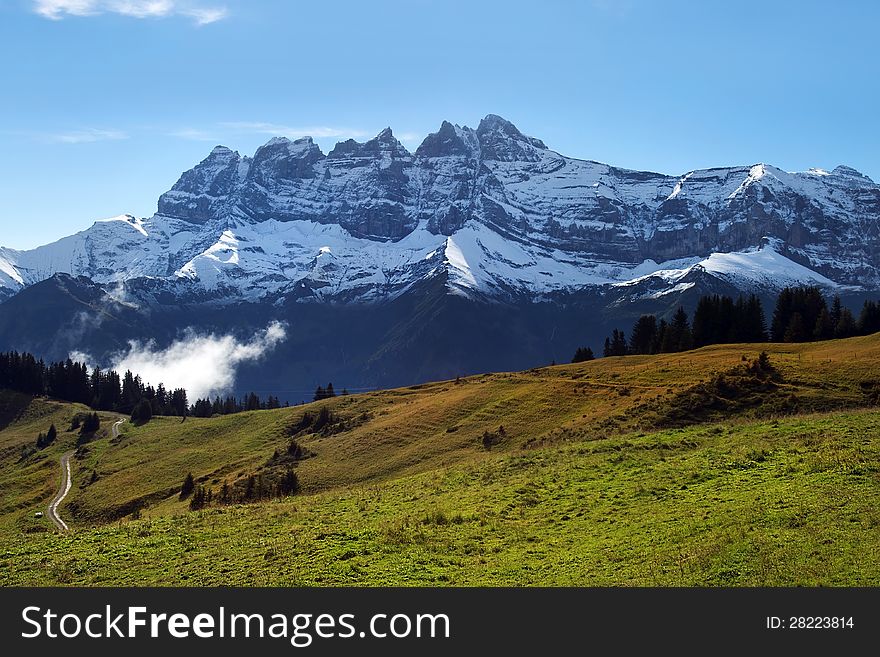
(325, 418)
(95, 381)
(668, 343)
(782, 314)
(295, 451)
(198, 499)
(662, 330)
(796, 331)
(616, 345)
(678, 336)
(644, 335)
(726, 328)
(90, 424)
(805, 302)
(846, 326)
(202, 408)
(179, 405)
(189, 484)
(813, 304)
(869, 318)
(142, 413)
(110, 393)
(582, 354)
(160, 406)
(289, 483)
(836, 310)
(705, 320)
(44, 440)
(682, 329)
(824, 329)
(132, 392)
(754, 325)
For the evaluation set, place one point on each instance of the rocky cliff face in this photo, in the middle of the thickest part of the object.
(493, 211)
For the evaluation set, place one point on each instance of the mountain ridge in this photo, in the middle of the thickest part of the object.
(482, 251)
(496, 209)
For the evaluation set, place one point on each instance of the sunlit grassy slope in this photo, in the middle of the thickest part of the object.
(617, 471)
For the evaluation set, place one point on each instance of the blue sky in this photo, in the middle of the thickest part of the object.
(106, 102)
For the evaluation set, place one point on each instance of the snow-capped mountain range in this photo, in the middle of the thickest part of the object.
(497, 214)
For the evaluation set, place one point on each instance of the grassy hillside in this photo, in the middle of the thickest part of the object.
(29, 477)
(674, 469)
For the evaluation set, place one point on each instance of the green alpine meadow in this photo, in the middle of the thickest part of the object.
(728, 465)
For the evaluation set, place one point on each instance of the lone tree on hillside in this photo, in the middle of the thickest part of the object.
(188, 485)
(90, 424)
(289, 483)
(44, 440)
(199, 499)
(487, 440)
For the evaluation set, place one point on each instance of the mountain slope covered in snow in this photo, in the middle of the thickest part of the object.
(494, 212)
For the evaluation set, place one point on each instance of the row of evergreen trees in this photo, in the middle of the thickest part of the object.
(801, 314)
(717, 319)
(255, 488)
(106, 390)
(652, 337)
(230, 405)
(100, 389)
(326, 393)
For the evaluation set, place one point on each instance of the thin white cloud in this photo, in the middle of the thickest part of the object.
(206, 15)
(193, 134)
(59, 9)
(85, 136)
(277, 130)
(204, 365)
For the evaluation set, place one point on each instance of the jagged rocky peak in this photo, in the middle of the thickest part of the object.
(849, 172)
(449, 140)
(385, 144)
(506, 201)
(221, 152)
(302, 147)
(284, 159)
(501, 140)
(218, 158)
(198, 189)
